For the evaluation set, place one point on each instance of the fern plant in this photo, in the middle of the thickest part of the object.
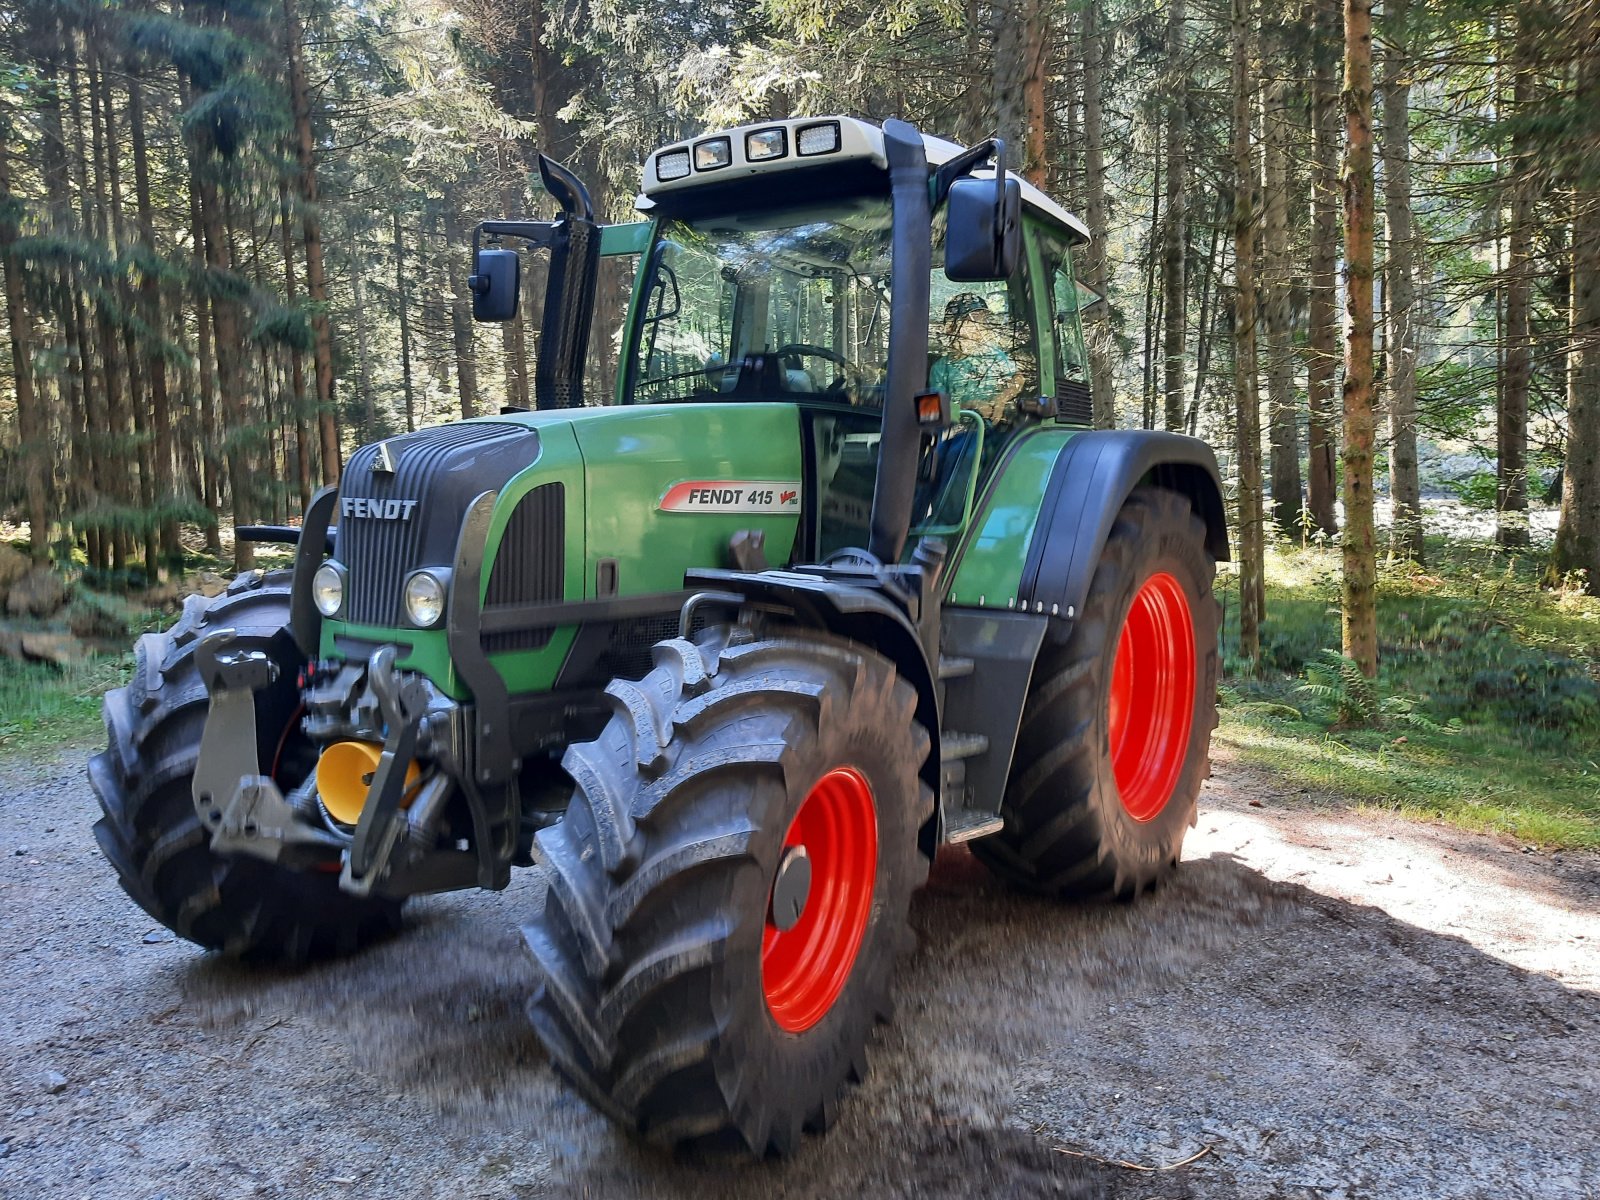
(1338, 682)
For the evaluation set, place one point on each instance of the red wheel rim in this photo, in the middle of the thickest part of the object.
(1152, 696)
(804, 968)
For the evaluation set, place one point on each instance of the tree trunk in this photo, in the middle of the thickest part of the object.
(1035, 160)
(1405, 533)
(30, 423)
(297, 366)
(461, 326)
(225, 328)
(402, 301)
(311, 231)
(1322, 354)
(104, 553)
(369, 409)
(1277, 277)
(206, 378)
(1152, 298)
(1511, 421)
(1360, 614)
(161, 450)
(1096, 269)
(1208, 319)
(513, 338)
(1174, 244)
(1577, 546)
(132, 353)
(1252, 587)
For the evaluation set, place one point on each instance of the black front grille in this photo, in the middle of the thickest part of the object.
(1074, 402)
(530, 565)
(440, 470)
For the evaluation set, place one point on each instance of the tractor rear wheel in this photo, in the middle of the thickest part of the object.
(1116, 733)
(729, 888)
(245, 907)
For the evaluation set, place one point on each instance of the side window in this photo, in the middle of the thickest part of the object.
(688, 317)
(982, 349)
(1072, 364)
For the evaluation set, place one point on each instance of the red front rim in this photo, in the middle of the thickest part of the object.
(804, 968)
(1152, 696)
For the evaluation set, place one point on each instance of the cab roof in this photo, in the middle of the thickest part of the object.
(801, 142)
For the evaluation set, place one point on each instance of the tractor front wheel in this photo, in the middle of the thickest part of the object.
(1116, 733)
(729, 888)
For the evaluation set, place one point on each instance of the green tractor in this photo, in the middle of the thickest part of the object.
(839, 576)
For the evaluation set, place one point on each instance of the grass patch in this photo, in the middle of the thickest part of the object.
(1486, 711)
(45, 708)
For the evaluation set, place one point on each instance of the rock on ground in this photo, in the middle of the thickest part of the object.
(39, 593)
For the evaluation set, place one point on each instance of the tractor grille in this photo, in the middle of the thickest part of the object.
(530, 565)
(441, 470)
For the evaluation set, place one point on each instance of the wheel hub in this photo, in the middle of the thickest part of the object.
(821, 899)
(790, 889)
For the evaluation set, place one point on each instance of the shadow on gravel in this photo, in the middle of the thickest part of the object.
(1317, 1048)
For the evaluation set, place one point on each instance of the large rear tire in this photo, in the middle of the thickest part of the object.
(1116, 733)
(680, 994)
(245, 907)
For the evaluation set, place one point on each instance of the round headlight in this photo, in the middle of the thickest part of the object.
(327, 589)
(424, 599)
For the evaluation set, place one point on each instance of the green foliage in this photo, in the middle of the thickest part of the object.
(1486, 709)
(44, 709)
(1479, 490)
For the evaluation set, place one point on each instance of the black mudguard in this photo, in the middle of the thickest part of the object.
(1091, 479)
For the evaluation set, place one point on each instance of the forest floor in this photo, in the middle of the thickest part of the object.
(1326, 1002)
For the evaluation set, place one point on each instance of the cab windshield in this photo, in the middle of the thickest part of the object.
(777, 304)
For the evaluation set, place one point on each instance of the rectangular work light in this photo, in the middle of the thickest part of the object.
(766, 144)
(822, 138)
(712, 153)
(672, 164)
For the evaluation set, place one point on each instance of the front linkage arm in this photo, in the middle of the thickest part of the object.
(243, 810)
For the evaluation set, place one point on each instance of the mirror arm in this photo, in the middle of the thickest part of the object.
(537, 234)
(962, 164)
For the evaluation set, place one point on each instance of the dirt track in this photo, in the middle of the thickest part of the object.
(1325, 1004)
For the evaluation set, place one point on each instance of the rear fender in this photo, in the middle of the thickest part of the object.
(1092, 478)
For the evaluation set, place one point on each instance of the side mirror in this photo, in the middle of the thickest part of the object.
(983, 231)
(496, 285)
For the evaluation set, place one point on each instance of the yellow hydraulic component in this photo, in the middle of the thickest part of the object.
(344, 773)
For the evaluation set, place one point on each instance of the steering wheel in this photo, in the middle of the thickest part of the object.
(850, 374)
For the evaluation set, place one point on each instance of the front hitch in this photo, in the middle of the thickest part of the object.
(242, 809)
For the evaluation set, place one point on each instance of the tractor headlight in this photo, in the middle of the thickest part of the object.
(327, 589)
(425, 593)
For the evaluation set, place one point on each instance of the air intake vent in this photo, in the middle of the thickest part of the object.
(1074, 402)
(530, 565)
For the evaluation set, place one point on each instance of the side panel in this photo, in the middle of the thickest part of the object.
(669, 485)
(987, 567)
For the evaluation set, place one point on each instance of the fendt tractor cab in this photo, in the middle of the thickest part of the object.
(840, 574)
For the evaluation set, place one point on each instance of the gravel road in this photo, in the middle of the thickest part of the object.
(1324, 1004)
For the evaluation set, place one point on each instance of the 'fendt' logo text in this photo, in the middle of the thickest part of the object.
(377, 510)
